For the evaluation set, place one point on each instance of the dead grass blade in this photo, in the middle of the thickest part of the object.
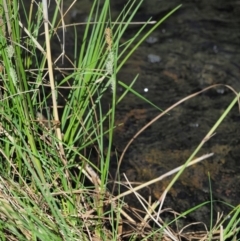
(166, 230)
(162, 177)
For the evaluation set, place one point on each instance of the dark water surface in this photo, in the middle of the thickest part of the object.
(199, 46)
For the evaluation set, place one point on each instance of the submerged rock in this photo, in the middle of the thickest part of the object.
(153, 58)
(151, 40)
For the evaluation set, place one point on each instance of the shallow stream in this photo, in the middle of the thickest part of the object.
(199, 46)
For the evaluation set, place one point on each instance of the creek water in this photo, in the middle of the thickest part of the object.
(198, 46)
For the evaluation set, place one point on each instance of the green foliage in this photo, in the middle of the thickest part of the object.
(44, 160)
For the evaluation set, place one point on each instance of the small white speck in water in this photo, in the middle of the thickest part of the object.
(194, 125)
(220, 91)
(145, 89)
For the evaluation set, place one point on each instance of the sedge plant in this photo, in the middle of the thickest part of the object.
(46, 151)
